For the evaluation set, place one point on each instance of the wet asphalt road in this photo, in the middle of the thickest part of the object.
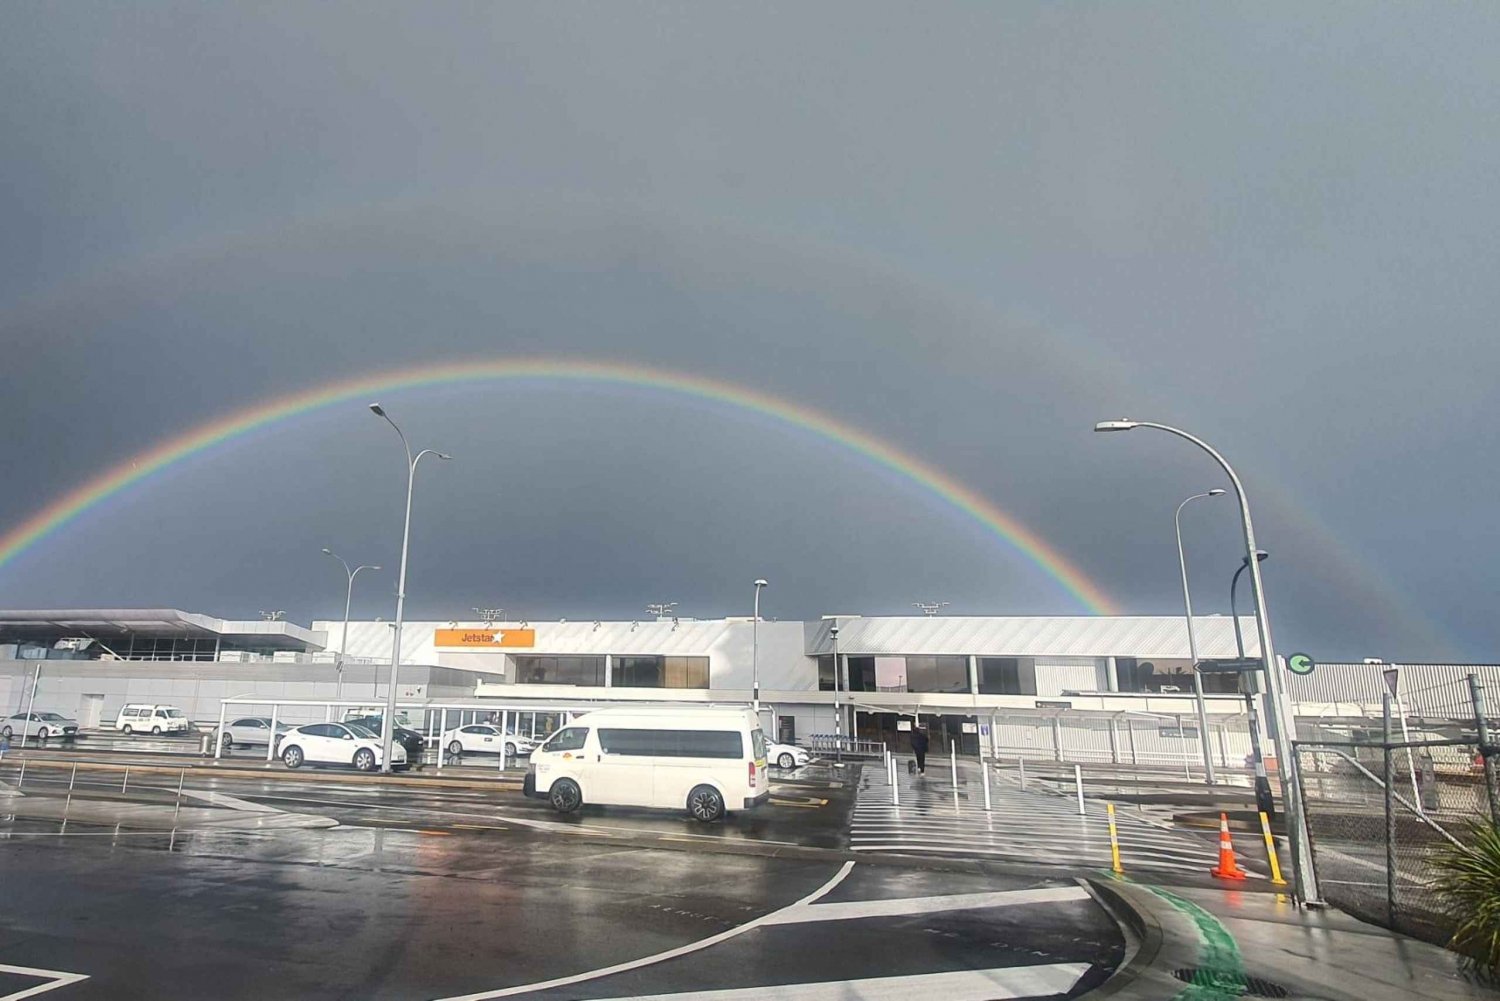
(446, 892)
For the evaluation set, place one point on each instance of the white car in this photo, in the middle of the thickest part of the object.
(337, 744)
(482, 738)
(787, 756)
(252, 730)
(40, 726)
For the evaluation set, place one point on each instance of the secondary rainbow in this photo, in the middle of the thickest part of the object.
(362, 389)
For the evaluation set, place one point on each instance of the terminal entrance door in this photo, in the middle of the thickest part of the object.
(90, 709)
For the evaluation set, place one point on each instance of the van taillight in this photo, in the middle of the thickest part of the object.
(752, 774)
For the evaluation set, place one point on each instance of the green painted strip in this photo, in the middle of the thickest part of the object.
(1218, 953)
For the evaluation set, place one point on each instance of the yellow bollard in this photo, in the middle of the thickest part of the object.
(1114, 840)
(1265, 828)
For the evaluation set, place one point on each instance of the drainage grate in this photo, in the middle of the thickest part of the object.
(1231, 984)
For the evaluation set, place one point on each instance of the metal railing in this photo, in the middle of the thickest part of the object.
(827, 743)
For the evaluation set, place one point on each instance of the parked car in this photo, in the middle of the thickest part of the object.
(337, 744)
(147, 718)
(414, 743)
(787, 756)
(249, 730)
(40, 725)
(482, 738)
(708, 761)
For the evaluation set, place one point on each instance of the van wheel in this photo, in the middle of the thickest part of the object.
(565, 796)
(705, 804)
(292, 757)
(126, 730)
(364, 759)
(156, 731)
(786, 761)
(455, 749)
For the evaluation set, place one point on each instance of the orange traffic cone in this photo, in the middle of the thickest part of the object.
(1227, 868)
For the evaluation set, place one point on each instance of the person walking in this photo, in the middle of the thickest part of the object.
(919, 747)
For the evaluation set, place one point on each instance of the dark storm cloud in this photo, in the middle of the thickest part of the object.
(972, 231)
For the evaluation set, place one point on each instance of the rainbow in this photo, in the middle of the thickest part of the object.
(362, 388)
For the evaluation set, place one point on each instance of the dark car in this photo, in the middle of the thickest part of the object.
(413, 741)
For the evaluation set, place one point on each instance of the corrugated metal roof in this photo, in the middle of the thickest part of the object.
(1034, 636)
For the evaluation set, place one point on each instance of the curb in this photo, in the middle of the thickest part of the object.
(1143, 943)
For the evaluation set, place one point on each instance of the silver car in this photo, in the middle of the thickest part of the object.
(249, 730)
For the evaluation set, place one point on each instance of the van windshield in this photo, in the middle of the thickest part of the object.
(175, 713)
(570, 739)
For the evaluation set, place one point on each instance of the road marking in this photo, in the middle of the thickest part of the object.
(58, 978)
(681, 950)
(960, 985)
(898, 906)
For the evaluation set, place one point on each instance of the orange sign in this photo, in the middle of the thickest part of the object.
(485, 637)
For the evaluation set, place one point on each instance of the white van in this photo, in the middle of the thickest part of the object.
(707, 761)
(144, 718)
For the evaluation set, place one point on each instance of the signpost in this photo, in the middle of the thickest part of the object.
(1300, 663)
(1232, 665)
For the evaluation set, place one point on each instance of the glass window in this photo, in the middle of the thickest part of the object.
(569, 739)
(758, 740)
(660, 672)
(671, 743)
(825, 673)
(586, 671)
(360, 731)
(1007, 676)
(937, 674)
(861, 672)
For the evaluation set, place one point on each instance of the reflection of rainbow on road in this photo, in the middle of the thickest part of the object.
(360, 389)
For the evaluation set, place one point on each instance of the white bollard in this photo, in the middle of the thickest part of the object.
(895, 794)
(1021, 762)
(984, 769)
(953, 765)
(1078, 781)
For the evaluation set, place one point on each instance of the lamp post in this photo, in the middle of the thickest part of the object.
(338, 692)
(388, 725)
(1187, 601)
(838, 709)
(755, 652)
(1305, 880)
(1264, 801)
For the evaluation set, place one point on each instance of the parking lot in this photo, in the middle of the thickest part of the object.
(190, 878)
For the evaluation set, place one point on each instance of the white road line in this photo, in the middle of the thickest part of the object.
(659, 957)
(895, 907)
(58, 978)
(960, 985)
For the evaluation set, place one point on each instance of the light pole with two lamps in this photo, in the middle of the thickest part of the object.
(338, 691)
(1187, 600)
(388, 725)
(1305, 880)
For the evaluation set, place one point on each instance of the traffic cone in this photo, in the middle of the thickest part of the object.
(1227, 868)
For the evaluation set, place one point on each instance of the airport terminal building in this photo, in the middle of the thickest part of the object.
(965, 675)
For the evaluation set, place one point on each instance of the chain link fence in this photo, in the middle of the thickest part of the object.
(1383, 796)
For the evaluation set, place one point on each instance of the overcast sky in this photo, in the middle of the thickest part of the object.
(971, 231)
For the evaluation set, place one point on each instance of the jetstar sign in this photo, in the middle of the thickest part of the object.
(485, 637)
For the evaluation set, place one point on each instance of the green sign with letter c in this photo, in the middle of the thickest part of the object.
(1300, 663)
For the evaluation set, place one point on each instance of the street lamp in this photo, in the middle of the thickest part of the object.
(1304, 878)
(755, 652)
(1187, 600)
(1264, 801)
(338, 692)
(388, 726)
